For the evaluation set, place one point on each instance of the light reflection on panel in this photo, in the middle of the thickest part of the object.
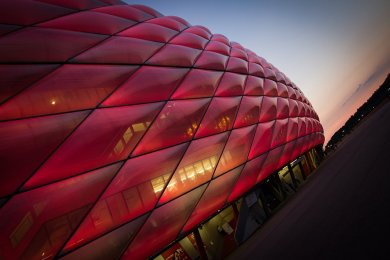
(196, 167)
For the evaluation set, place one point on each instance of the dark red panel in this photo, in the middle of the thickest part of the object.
(198, 83)
(236, 150)
(165, 222)
(7, 28)
(248, 112)
(168, 22)
(25, 12)
(270, 88)
(262, 140)
(133, 192)
(90, 22)
(292, 130)
(293, 108)
(142, 85)
(268, 109)
(30, 141)
(279, 132)
(247, 177)
(125, 11)
(37, 223)
(254, 86)
(196, 167)
(175, 55)
(119, 128)
(176, 123)
(109, 246)
(282, 108)
(45, 45)
(237, 65)
(232, 84)
(282, 90)
(75, 4)
(14, 78)
(271, 163)
(88, 86)
(150, 32)
(213, 198)
(120, 50)
(212, 61)
(148, 10)
(256, 70)
(219, 116)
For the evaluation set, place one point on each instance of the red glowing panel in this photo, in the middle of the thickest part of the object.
(232, 84)
(254, 86)
(219, 117)
(199, 30)
(219, 47)
(120, 50)
(247, 177)
(88, 86)
(165, 222)
(211, 61)
(292, 130)
(262, 140)
(268, 109)
(48, 214)
(270, 164)
(120, 129)
(236, 149)
(134, 191)
(149, 32)
(248, 112)
(256, 70)
(293, 108)
(239, 53)
(198, 83)
(279, 133)
(141, 86)
(168, 22)
(175, 55)
(282, 108)
(125, 11)
(190, 40)
(285, 157)
(196, 167)
(270, 88)
(237, 65)
(176, 123)
(31, 140)
(213, 198)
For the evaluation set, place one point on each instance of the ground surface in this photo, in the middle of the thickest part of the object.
(343, 211)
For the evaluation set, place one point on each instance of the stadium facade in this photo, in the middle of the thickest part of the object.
(128, 134)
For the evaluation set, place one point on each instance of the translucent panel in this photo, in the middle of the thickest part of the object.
(36, 223)
(239, 53)
(119, 129)
(175, 55)
(14, 78)
(254, 86)
(190, 40)
(270, 88)
(122, 50)
(134, 191)
(292, 131)
(211, 60)
(232, 84)
(256, 70)
(291, 93)
(268, 109)
(221, 38)
(29, 12)
(282, 90)
(279, 132)
(72, 87)
(30, 141)
(247, 177)
(176, 123)
(199, 30)
(280, 78)
(163, 226)
(301, 127)
(293, 108)
(269, 73)
(285, 157)
(109, 246)
(236, 150)
(271, 163)
(282, 108)
(219, 47)
(219, 116)
(148, 84)
(237, 65)
(45, 45)
(92, 22)
(248, 113)
(196, 167)
(213, 198)
(168, 22)
(125, 11)
(198, 83)
(262, 140)
(297, 148)
(150, 32)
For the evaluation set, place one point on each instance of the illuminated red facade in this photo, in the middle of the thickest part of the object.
(119, 125)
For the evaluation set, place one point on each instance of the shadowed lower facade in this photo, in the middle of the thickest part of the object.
(123, 131)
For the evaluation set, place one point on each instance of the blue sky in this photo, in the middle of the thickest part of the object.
(337, 52)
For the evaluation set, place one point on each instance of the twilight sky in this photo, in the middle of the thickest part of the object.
(337, 52)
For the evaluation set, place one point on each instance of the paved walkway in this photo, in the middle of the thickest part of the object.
(343, 210)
